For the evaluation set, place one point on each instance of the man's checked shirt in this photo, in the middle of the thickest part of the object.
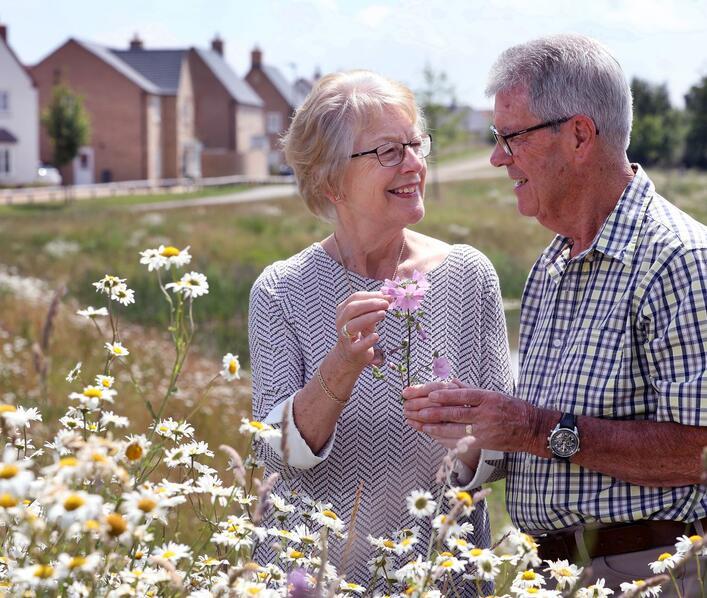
(617, 332)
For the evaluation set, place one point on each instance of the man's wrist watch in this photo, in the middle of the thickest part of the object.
(563, 441)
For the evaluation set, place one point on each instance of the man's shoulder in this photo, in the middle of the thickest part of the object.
(669, 225)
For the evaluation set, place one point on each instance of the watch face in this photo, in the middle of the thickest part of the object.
(564, 442)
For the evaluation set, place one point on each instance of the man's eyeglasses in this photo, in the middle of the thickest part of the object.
(502, 140)
(392, 153)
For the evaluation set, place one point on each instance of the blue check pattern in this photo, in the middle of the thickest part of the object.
(618, 332)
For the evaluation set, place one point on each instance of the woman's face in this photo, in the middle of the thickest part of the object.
(389, 196)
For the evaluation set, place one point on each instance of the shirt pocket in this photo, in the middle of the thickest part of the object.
(591, 377)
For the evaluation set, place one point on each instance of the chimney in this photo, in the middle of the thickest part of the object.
(3, 32)
(256, 58)
(217, 45)
(136, 43)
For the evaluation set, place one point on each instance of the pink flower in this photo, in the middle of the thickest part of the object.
(407, 293)
(441, 367)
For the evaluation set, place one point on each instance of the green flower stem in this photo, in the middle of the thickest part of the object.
(699, 576)
(675, 583)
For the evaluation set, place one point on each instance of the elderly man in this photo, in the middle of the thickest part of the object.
(601, 444)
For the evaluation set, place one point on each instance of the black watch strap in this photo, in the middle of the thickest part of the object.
(568, 420)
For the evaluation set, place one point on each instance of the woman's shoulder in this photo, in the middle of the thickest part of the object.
(283, 274)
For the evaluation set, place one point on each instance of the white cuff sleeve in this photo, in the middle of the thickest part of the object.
(468, 479)
(300, 455)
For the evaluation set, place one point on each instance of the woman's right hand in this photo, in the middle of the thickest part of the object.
(356, 319)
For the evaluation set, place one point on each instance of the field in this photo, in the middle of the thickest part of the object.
(73, 245)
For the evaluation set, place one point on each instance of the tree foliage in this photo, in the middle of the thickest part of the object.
(67, 123)
(658, 129)
(696, 139)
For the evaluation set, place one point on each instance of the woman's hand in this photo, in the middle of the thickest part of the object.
(356, 320)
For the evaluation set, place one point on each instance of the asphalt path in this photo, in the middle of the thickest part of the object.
(477, 167)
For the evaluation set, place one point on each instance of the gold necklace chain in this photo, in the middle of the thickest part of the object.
(346, 270)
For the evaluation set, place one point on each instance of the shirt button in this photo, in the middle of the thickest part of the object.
(557, 343)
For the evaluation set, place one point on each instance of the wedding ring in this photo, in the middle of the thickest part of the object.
(469, 430)
(345, 332)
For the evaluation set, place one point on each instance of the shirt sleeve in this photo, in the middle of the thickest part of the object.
(278, 374)
(675, 324)
(495, 374)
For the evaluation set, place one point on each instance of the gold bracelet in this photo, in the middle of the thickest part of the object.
(326, 389)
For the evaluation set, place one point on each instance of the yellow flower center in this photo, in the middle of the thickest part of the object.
(4, 408)
(639, 583)
(77, 561)
(92, 525)
(446, 564)
(233, 367)
(531, 590)
(73, 502)
(43, 571)
(134, 451)
(116, 524)
(170, 252)
(330, 514)
(139, 554)
(7, 501)
(464, 498)
(528, 575)
(664, 556)
(476, 552)
(421, 503)
(105, 382)
(98, 458)
(695, 539)
(168, 554)
(406, 541)
(445, 553)
(146, 505)
(68, 462)
(92, 393)
(296, 554)
(388, 543)
(8, 471)
(565, 572)
(257, 425)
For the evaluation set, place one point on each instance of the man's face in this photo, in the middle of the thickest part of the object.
(539, 165)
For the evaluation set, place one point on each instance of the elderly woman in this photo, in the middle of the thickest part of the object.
(318, 319)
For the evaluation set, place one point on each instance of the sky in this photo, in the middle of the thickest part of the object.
(658, 40)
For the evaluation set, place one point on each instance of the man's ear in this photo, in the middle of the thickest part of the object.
(585, 135)
(333, 196)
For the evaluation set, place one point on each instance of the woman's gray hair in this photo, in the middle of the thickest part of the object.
(567, 75)
(321, 137)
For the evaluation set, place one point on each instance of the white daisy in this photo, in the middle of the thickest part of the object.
(172, 551)
(122, 294)
(135, 447)
(596, 590)
(74, 373)
(685, 544)
(91, 396)
(528, 579)
(107, 283)
(74, 507)
(328, 518)
(15, 475)
(564, 573)
(92, 313)
(486, 562)
(21, 417)
(664, 562)
(420, 503)
(110, 418)
(231, 367)
(116, 349)
(165, 257)
(639, 588)
(260, 430)
(192, 284)
(104, 381)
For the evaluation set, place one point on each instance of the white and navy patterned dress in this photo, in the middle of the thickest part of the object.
(292, 328)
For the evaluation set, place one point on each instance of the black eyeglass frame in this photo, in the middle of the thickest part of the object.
(502, 140)
(420, 140)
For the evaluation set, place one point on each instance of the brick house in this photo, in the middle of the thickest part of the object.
(144, 110)
(280, 97)
(19, 119)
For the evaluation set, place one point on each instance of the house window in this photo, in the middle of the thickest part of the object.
(274, 122)
(4, 101)
(5, 161)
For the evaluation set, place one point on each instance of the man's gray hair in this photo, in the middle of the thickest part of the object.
(566, 75)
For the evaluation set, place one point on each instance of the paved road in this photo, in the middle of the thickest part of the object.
(469, 168)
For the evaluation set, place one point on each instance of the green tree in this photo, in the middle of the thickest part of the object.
(67, 123)
(696, 139)
(658, 131)
(438, 101)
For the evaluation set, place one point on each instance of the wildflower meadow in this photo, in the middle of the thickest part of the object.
(94, 503)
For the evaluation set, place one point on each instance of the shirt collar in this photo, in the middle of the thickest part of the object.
(618, 235)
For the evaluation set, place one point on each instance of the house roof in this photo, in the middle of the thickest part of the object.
(160, 67)
(237, 87)
(7, 137)
(121, 66)
(283, 86)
